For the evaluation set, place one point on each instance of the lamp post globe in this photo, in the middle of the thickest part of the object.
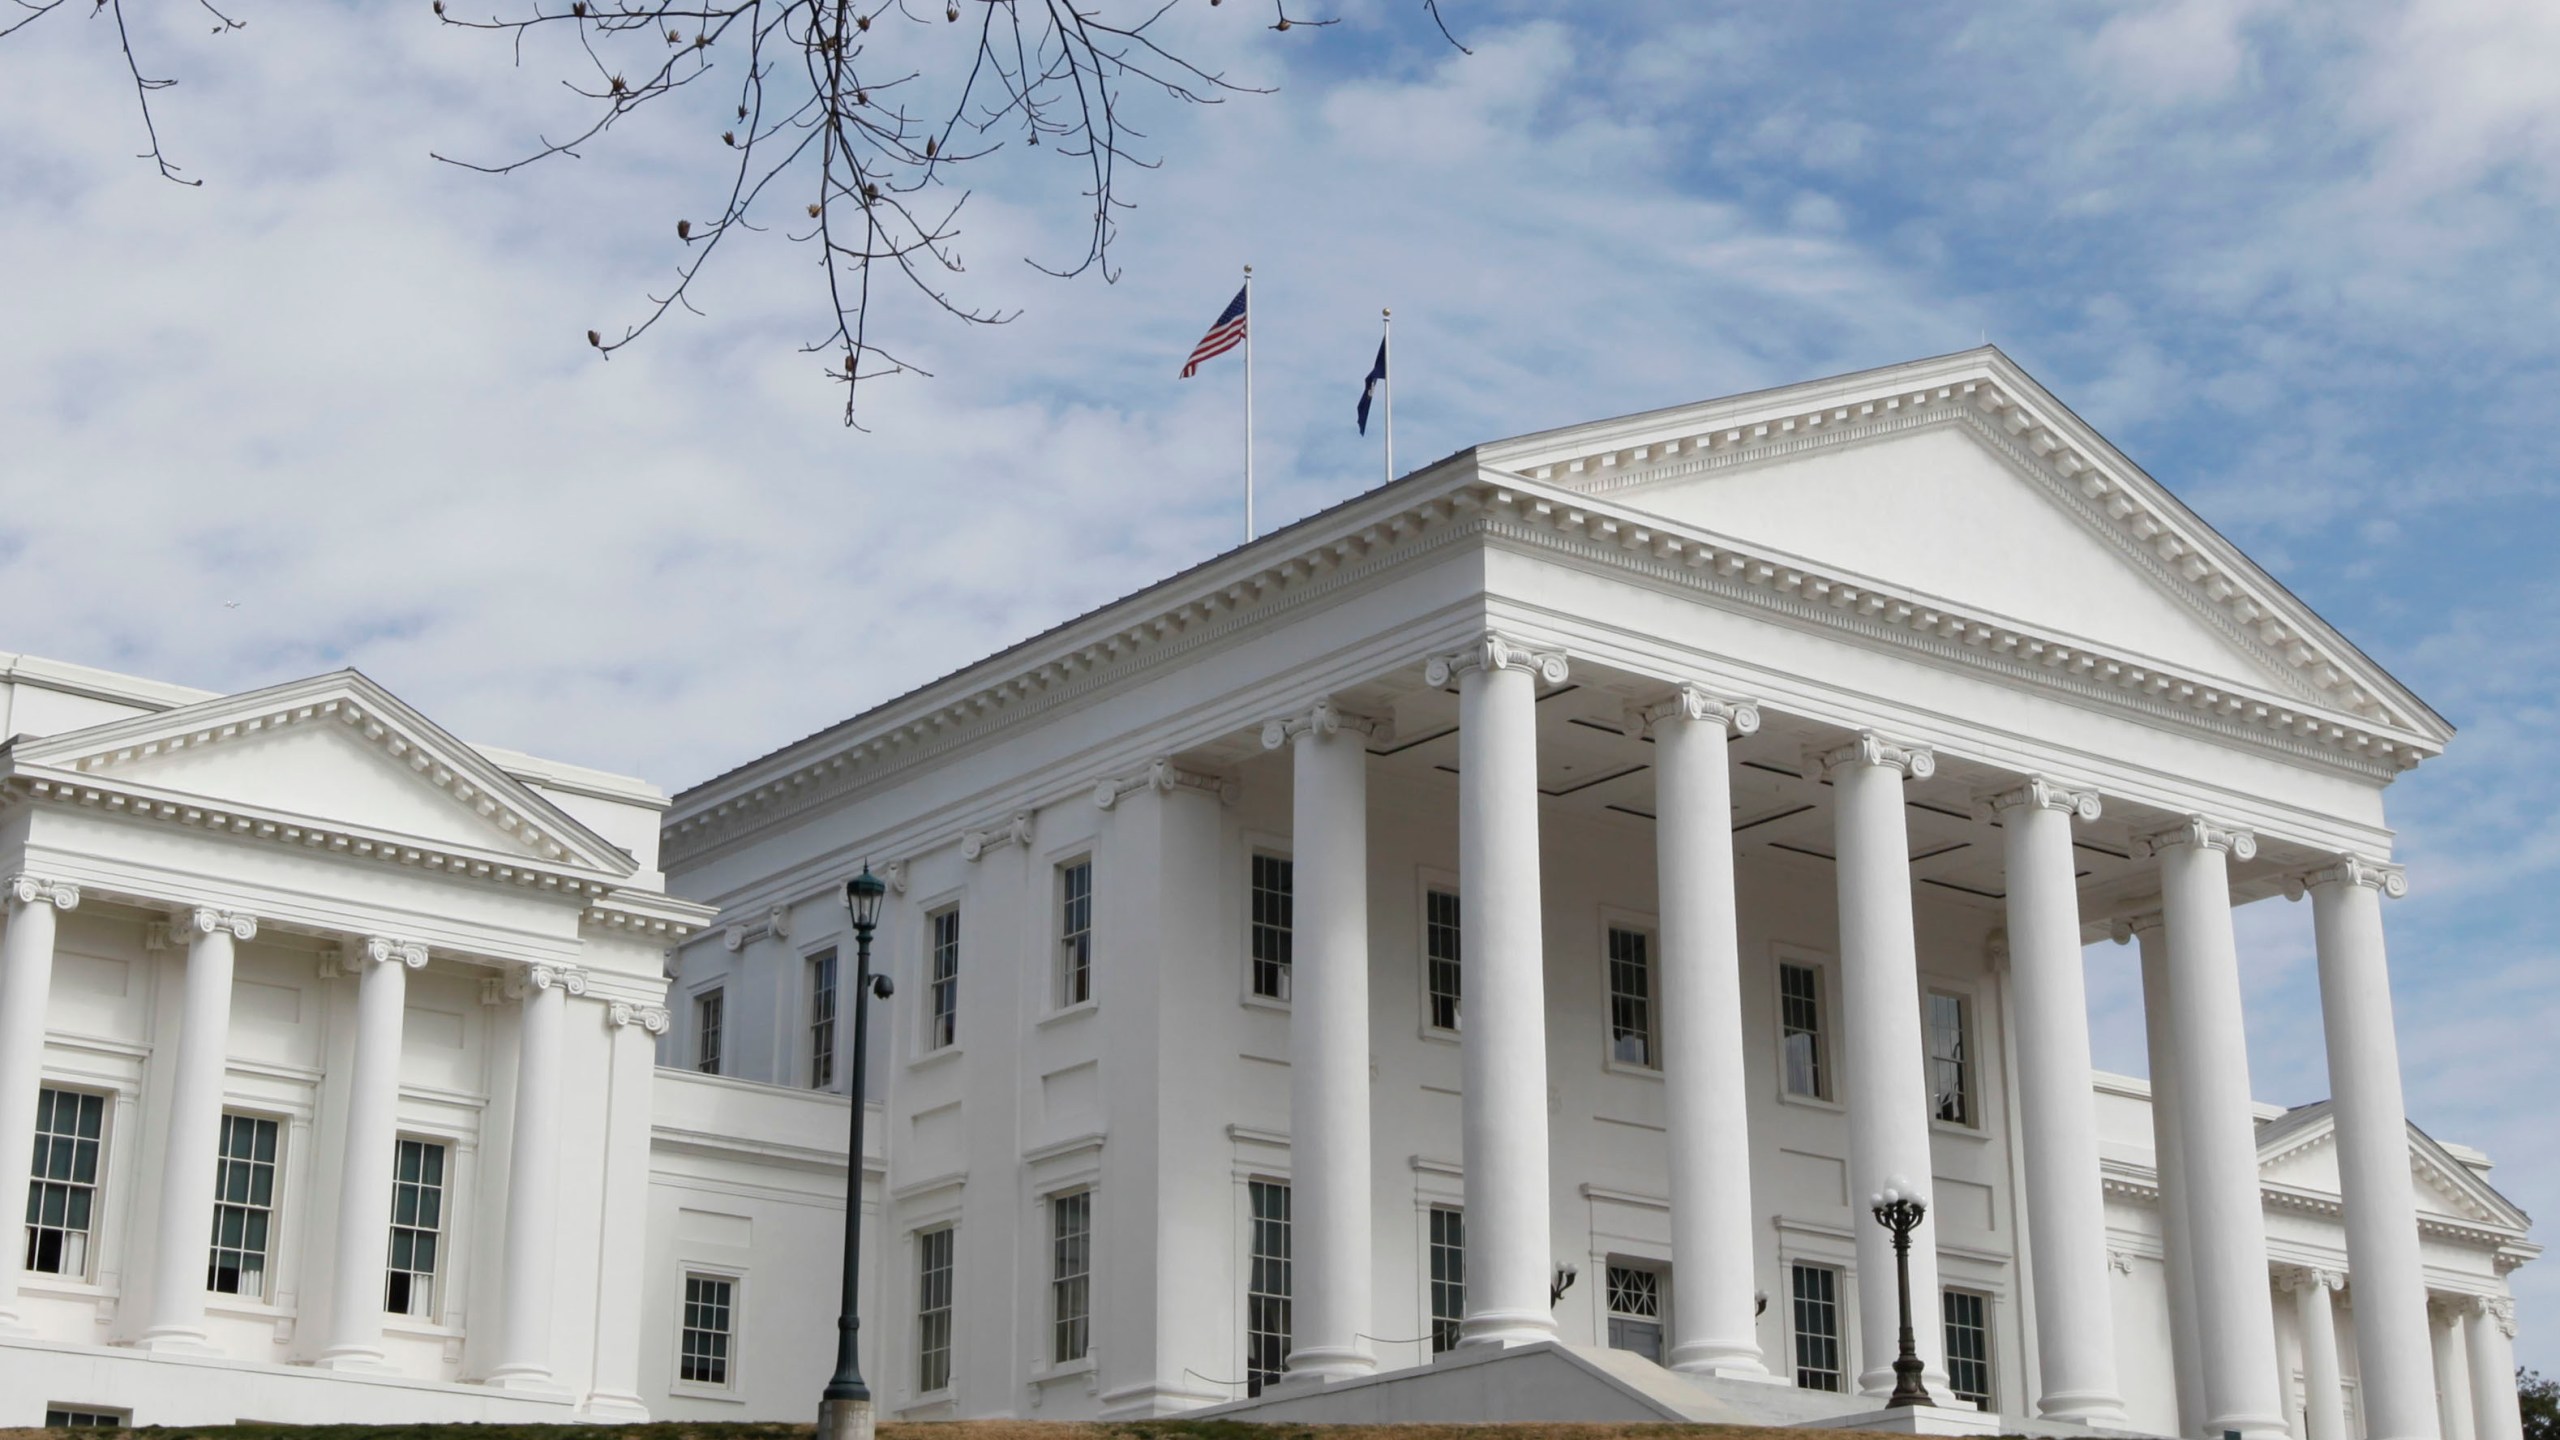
(844, 1407)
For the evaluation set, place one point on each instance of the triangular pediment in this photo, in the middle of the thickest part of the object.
(1960, 481)
(2299, 1151)
(338, 751)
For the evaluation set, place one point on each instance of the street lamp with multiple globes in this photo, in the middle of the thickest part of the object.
(1900, 1209)
(844, 1411)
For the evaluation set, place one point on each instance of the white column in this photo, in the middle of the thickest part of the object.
(1885, 1074)
(2452, 1366)
(1704, 1100)
(2324, 1396)
(622, 1262)
(1503, 1022)
(184, 1250)
(2226, 1230)
(26, 986)
(1329, 1040)
(2491, 1329)
(2381, 1209)
(2058, 1129)
(372, 1150)
(2169, 1164)
(533, 1181)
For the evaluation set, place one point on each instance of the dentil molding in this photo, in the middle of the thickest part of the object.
(1917, 761)
(2041, 794)
(1695, 702)
(1495, 651)
(29, 889)
(2201, 833)
(1324, 717)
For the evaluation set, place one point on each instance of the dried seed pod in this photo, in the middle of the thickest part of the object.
(684, 229)
(595, 339)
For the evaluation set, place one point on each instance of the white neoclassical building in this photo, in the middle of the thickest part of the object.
(1471, 954)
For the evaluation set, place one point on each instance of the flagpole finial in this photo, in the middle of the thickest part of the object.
(1248, 272)
(1385, 314)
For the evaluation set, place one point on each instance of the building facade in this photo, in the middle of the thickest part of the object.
(1481, 946)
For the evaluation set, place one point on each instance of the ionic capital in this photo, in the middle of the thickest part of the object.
(1696, 702)
(383, 950)
(1322, 718)
(652, 1018)
(1917, 761)
(974, 844)
(206, 920)
(2038, 793)
(32, 889)
(1496, 651)
(532, 980)
(1164, 777)
(2124, 927)
(2391, 880)
(2312, 1278)
(2201, 833)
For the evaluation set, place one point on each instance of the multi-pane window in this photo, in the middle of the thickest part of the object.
(1635, 1311)
(417, 1227)
(710, 1008)
(1075, 933)
(1440, 957)
(85, 1417)
(1950, 1059)
(244, 1207)
(1275, 884)
(1070, 1276)
(62, 1185)
(1968, 1317)
(822, 1020)
(933, 1310)
(710, 1328)
(1448, 1276)
(1817, 1326)
(1266, 1296)
(942, 988)
(1630, 997)
(1800, 1037)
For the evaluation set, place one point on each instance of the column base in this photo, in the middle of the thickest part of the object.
(614, 1405)
(1723, 1361)
(2092, 1408)
(1877, 1384)
(13, 1327)
(173, 1341)
(1505, 1328)
(354, 1359)
(524, 1380)
(2250, 1427)
(1330, 1364)
(844, 1420)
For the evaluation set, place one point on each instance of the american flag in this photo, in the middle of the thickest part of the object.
(1223, 336)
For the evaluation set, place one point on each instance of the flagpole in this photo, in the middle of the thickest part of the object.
(1248, 403)
(1386, 347)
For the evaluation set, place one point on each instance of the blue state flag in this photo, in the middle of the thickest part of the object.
(1369, 387)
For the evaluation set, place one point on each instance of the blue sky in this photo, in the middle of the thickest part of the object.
(2295, 259)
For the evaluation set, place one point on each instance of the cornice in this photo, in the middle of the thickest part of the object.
(2079, 472)
(255, 825)
(647, 914)
(1129, 642)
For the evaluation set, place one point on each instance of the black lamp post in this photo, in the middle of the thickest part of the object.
(1900, 1210)
(844, 1412)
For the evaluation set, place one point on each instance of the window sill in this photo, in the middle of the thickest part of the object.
(929, 1400)
(235, 1308)
(1071, 1012)
(931, 1058)
(1641, 1072)
(1251, 1001)
(1068, 1370)
(1444, 1037)
(1975, 1133)
(1810, 1102)
(717, 1394)
(420, 1329)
